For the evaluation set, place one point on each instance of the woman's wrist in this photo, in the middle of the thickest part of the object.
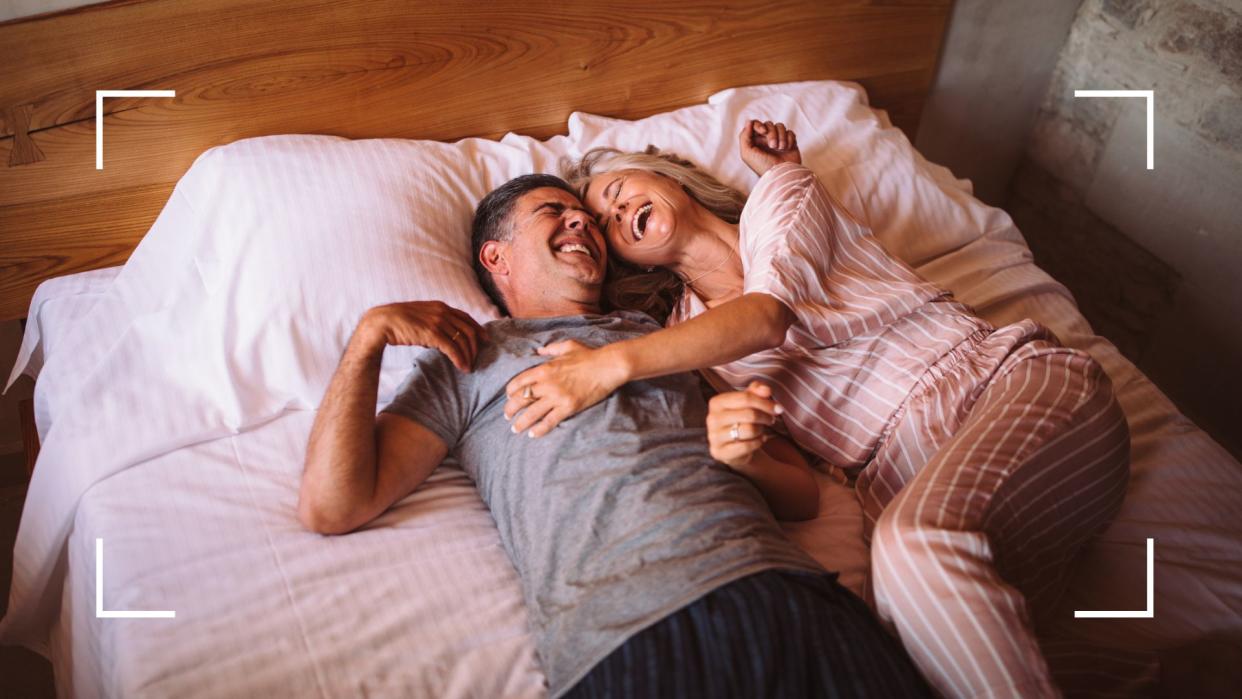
(618, 363)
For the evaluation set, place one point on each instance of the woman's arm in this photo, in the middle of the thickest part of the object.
(580, 377)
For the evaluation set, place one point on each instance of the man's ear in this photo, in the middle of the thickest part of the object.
(492, 255)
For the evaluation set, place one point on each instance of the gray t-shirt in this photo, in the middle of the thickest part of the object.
(619, 516)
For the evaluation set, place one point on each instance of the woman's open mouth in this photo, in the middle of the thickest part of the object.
(638, 224)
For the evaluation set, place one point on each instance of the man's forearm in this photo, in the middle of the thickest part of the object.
(340, 472)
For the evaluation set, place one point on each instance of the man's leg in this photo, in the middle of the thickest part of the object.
(774, 634)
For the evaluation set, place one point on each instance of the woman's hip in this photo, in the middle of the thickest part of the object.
(989, 420)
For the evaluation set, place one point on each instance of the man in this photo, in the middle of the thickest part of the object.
(648, 568)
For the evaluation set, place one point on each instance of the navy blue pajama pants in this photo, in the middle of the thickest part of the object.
(772, 634)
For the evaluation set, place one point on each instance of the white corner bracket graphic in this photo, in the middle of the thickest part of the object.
(105, 614)
(1150, 95)
(1148, 613)
(99, 98)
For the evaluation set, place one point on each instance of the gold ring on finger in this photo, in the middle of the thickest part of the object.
(527, 394)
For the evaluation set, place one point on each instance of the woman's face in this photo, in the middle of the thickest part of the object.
(639, 213)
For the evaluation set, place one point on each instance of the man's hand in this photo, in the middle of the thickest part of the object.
(737, 423)
(427, 324)
(576, 379)
(765, 145)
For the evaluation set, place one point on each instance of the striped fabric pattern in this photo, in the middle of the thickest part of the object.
(868, 326)
(986, 459)
(775, 634)
(980, 507)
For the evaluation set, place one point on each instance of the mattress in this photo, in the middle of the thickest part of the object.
(421, 602)
(424, 602)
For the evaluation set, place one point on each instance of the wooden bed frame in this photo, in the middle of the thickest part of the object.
(443, 69)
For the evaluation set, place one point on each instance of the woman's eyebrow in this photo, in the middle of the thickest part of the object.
(615, 180)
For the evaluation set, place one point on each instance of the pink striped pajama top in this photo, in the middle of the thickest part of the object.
(868, 327)
(966, 432)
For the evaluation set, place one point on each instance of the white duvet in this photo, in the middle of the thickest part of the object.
(160, 438)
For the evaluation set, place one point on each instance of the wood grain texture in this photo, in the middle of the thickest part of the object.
(385, 68)
(23, 150)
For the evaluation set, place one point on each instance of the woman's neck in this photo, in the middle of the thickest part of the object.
(711, 263)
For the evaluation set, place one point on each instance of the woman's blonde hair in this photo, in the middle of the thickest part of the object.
(630, 287)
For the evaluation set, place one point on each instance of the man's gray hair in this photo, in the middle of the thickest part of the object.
(491, 222)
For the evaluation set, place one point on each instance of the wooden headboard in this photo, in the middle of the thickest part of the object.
(436, 69)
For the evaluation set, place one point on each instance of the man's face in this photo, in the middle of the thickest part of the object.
(555, 251)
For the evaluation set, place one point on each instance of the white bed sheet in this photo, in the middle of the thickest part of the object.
(230, 524)
(422, 602)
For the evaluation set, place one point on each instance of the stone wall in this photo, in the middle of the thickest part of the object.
(1153, 256)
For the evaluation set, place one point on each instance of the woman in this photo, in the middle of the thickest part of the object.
(985, 458)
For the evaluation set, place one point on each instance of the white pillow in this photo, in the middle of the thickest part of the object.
(271, 248)
(918, 210)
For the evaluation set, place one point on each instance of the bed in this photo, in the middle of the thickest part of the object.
(174, 418)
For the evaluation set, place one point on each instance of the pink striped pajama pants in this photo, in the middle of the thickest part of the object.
(989, 481)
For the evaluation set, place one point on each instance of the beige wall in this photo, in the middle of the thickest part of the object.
(994, 70)
(1187, 211)
(1152, 257)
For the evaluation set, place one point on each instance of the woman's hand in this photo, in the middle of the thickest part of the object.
(577, 378)
(737, 423)
(765, 145)
(427, 324)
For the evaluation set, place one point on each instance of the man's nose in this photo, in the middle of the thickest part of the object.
(577, 220)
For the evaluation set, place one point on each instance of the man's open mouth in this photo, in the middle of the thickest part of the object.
(638, 224)
(574, 246)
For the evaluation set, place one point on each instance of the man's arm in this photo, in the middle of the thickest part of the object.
(357, 464)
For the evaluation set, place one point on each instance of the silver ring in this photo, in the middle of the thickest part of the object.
(455, 336)
(526, 393)
(735, 432)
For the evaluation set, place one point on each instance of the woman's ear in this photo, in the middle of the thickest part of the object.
(492, 256)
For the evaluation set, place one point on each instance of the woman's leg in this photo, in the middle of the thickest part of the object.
(992, 521)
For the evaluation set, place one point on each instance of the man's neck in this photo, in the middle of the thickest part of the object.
(551, 308)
